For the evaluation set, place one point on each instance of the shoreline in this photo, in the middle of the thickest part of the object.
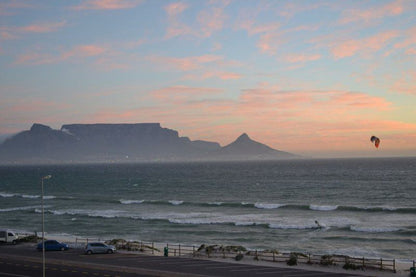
(402, 266)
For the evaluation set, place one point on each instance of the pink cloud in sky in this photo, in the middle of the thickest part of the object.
(289, 120)
(213, 74)
(353, 15)
(84, 51)
(183, 94)
(208, 21)
(301, 58)
(350, 47)
(211, 21)
(76, 53)
(14, 32)
(409, 42)
(175, 27)
(8, 8)
(42, 27)
(406, 84)
(186, 63)
(107, 4)
(175, 9)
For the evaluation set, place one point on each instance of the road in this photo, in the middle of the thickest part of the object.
(24, 261)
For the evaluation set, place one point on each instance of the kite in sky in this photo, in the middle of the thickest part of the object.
(375, 140)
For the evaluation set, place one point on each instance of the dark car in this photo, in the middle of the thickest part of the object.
(53, 245)
(99, 247)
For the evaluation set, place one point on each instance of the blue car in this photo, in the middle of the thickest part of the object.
(53, 245)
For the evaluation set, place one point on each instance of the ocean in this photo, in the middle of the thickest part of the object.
(365, 207)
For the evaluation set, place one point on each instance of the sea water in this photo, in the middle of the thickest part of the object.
(356, 207)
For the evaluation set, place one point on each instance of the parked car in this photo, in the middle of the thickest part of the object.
(8, 236)
(99, 247)
(51, 245)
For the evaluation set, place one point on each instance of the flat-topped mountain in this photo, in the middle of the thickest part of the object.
(124, 143)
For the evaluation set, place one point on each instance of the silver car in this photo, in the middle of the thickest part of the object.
(99, 247)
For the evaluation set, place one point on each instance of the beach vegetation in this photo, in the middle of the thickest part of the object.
(293, 259)
(201, 248)
(116, 242)
(31, 238)
(239, 257)
(327, 260)
(348, 265)
(233, 248)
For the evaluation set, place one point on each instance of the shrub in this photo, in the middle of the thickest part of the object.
(239, 257)
(31, 238)
(293, 259)
(352, 266)
(327, 260)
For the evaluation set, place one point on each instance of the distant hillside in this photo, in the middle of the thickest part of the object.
(123, 143)
(246, 148)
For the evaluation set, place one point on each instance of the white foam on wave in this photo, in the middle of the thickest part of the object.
(176, 202)
(19, 208)
(31, 196)
(268, 205)
(292, 226)
(91, 213)
(323, 207)
(27, 196)
(215, 203)
(244, 223)
(367, 229)
(6, 195)
(194, 221)
(127, 202)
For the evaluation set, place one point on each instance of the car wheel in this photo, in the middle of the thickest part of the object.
(109, 251)
(89, 252)
(14, 242)
(62, 248)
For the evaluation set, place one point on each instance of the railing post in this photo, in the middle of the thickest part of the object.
(381, 263)
(153, 248)
(363, 262)
(179, 249)
(394, 265)
(193, 250)
(273, 257)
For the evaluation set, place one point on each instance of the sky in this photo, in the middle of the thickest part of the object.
(316, 78)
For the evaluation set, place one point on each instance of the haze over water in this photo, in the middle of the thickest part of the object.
(366, 206)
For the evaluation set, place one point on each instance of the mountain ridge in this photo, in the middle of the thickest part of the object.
(125, 142)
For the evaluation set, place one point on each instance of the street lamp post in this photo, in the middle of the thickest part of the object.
(43, 226)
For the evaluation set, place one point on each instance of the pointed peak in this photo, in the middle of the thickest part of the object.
(243, 137)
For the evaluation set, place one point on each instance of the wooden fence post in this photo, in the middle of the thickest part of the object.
(381, 263)
(273, 257)
(193, 250)
(363, 262)
(153, 248)
(394, 265)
